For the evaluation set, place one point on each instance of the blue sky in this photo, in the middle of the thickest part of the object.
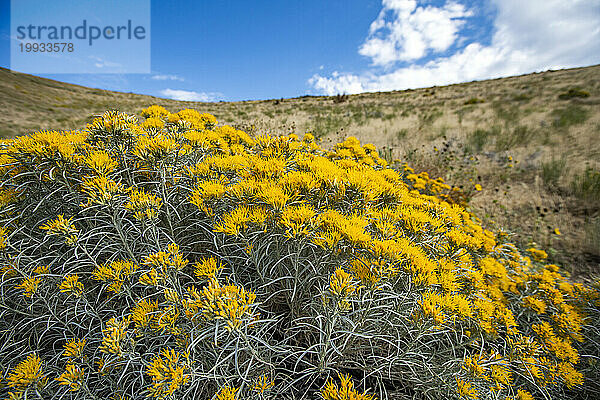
(240, 50)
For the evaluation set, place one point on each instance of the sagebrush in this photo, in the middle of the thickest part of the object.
(178, 259)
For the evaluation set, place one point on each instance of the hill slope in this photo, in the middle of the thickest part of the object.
(530, 141)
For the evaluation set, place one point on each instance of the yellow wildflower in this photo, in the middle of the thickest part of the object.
(28, 372)
(143, 205)
(225, 393)
(113, 335)
(71, 285)
(535, 304)
(465, 389)
(345, 391)
(74, 348)
(229, 303)
(262, 383)
(101, 162)
(72, 377)
(142, 314)
(154, 111)
(63, 227)
(29, 286)
(114, 274)
(169, 372)
(207, 268)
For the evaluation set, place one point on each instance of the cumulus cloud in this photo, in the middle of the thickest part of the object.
(190, 95)
(403, 31)
(160, 77)
(529, 36)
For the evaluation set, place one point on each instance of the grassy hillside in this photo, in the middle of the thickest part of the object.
(530, 141)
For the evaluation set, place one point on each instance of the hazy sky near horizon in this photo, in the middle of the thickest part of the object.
(239, 50)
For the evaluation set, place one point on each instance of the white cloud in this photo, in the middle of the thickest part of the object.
(404, 32)
(532, 35)
(189, 95)
(160, 77)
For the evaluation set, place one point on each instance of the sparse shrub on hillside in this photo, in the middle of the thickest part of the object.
(340, 98)
(574, 93)
(179, 259)
(522, 97)
(474, 100)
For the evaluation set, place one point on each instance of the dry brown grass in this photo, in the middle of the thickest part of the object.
(522, 117)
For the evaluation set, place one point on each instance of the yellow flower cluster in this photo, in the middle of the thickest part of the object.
(74, 349)
(342, 286)
(296, 220)
(143, 205)
(143, 314)
(154, 149)
(29, 286)
(240, 219)
(372, 272)
(230, 303)
(114, 336)
(226, 393)
(207, 268)
(165, 260)
(169, 372)
(100, 190)
(535, 304)
(154, 111)
(72, 377)
(3, 239)
(115, 274)
(193, 118)
(262, 384)
(28, 373)
(538, 255)
(345, 391)
(153, 124)
(71, 285)
(63, 227)
(465, 390)
(101, 162)
(60, 148)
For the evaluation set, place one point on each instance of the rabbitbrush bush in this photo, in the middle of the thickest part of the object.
(176, 259)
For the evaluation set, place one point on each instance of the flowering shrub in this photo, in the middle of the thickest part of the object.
(178, 259)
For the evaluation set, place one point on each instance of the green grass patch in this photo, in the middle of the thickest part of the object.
(592, 236)
(586, 186)
(518, 136)
(552, 171)
(427, 118)
(401, 134)
(569, 116)
(324, 124)
(477, 139)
